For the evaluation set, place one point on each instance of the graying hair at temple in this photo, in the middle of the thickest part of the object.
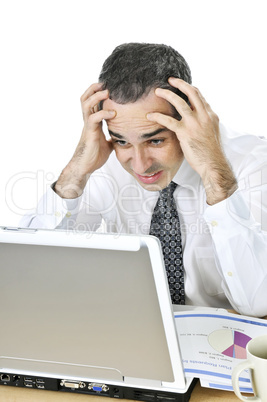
(133, 69)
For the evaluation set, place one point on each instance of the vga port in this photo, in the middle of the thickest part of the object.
(94, 386)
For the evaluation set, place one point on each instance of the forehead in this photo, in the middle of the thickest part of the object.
(132, 116)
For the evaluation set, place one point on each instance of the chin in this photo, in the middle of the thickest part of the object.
(157, 186)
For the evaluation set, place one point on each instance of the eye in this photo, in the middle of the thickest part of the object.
(120, 143)
(157, 141)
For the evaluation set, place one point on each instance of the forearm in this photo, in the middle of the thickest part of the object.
(70, 183)
(219, 181)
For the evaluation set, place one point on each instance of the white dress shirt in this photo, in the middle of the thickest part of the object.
(224, 245)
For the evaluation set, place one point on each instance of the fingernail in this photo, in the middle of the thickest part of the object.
(112, 112)
(149, 116)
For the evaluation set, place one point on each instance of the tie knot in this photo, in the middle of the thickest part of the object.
(168, 191)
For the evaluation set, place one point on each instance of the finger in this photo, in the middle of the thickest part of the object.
(210, 112)
(91, 105)
(204, 106)
(95, 98)
(205, 103)
(164, 120)
(97, 118)
(91, 90)
(208, 108)
(193, 94)
(180, 105)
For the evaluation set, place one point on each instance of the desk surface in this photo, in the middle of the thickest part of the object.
(12, 394)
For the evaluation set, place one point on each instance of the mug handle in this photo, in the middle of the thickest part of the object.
(235, 380)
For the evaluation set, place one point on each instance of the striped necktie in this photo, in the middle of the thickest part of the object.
(165, 226)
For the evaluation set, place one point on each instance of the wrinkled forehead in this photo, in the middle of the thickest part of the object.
(134, 114)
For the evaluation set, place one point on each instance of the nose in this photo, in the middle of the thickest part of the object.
(140, 161)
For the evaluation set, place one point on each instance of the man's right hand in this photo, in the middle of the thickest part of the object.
(93, 149)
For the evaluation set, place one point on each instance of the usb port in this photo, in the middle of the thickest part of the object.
(28, 384)
(40, 383)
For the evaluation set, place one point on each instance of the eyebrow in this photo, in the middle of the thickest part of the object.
(148, 135)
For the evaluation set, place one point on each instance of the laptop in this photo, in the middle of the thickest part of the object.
(88, 313)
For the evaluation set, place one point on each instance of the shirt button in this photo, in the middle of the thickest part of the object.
(214, 223)
(57, 214)
(68, 214)
(230, 273)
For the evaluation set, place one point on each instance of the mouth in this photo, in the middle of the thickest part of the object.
(149, 179)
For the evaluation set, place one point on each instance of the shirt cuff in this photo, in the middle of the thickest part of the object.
(55, 208)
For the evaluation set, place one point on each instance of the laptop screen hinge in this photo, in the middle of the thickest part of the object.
(19, 230)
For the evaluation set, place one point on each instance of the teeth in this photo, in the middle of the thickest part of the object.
(148, 175)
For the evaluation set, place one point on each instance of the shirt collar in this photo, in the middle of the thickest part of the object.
(186, 176)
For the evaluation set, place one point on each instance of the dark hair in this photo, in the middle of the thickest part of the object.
(133, 69)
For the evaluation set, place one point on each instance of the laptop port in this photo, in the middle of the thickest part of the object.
(16, 378)
(40, 384)
(5, 377)
(72, 384)
(93, 386)
(28, 384)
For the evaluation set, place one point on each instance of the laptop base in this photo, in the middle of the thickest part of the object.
(93, 388)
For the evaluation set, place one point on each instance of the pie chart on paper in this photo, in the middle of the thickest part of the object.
(229, 343)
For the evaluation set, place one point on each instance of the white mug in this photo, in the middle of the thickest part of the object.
(257, 363)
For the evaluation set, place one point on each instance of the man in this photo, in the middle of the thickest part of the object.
(162, 130)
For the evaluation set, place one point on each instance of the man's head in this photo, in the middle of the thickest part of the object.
(148, 151)
(134, 69)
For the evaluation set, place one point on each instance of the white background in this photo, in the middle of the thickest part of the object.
(52, 50)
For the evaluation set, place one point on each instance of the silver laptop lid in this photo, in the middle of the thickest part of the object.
(86, 305)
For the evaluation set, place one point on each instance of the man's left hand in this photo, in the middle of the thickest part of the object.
(199, 136)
